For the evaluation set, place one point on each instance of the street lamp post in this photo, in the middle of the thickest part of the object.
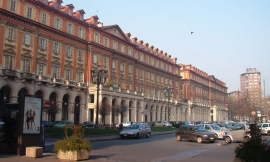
(168, 90)
(98, 77)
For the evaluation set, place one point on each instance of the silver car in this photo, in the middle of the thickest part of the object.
(136, 130)
(215, 129)
(163, 124)
(237, 134)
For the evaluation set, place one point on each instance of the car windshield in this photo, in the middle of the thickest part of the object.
(215, 127)
(228, 126)
(200, 129)
(134, 126)
(62, 122)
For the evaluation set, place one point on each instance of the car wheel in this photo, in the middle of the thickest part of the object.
(246, 139)
(199, 139)
(178, 138)
(148, 135)
(227, 140)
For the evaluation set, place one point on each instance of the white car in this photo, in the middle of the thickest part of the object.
(265, 127)
(125, 124)
(163, 124)
(215, 129)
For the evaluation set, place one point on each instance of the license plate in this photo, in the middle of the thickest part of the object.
(211, 138)
(125, 134)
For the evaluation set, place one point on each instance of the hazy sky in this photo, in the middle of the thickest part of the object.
(229, 36)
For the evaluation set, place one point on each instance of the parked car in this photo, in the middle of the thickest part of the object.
(125, 124)
(265, 127)
(237, 134)
(136, 130)
(194, 133)
(163, 124)
(88, 124)
(64, 123)
(48, 123)
(215, 129)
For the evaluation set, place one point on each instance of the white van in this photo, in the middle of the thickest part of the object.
(265, 127)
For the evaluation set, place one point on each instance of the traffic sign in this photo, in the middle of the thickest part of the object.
(46, 105)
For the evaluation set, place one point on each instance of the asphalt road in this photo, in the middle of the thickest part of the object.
(159, 148)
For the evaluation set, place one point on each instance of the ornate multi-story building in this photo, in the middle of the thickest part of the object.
(49, 50)
(205, 94)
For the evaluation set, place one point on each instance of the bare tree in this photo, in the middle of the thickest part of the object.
(52, 110)
(104, 110)
(115, 111)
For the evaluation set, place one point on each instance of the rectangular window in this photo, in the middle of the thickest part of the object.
(68, 74)
(115, 45)
(44, 17)
(9, 60)
(68, 52)
(80, 77)
(26, 66)
(81, 17)
(157, 64)
(29, 12)
(42, 43)
(147, 59)
(12, 6)
(91, 98)
(152, 62)
(41, 69)
(113, 64)
(121, 67)
(69, 28)
(44, 1)
(122, 48)
(104, 63)
(57, 23)
(130, 69)
(96, 38)
(70, 11)
(27, 39)
(129, 51)
(80, 56)
(142, 57)
(136, 55)
(81, 33)
(11, 33)
(57, 6)
(95, 59)
(56, 72)
(106, 42)
(56, 47)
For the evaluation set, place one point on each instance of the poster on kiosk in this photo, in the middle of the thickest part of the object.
(32, 115)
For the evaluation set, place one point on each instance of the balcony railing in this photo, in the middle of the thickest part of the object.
(27, 76)
(43, 79)
(9, 73)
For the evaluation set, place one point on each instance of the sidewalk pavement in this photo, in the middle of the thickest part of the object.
(223, 153)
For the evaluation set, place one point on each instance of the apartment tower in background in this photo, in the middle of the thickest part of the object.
(250, 83)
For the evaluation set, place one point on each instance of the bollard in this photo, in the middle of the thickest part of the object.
(43, 137)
